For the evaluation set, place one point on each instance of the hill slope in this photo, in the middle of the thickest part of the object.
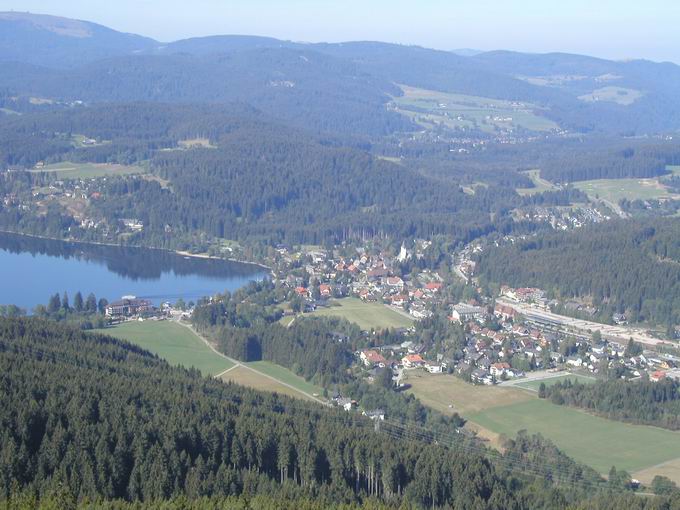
(61, 42)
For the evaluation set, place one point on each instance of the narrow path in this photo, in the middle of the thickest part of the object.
(227, 370)
(237, 363)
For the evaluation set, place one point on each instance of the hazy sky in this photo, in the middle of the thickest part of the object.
(608, 28)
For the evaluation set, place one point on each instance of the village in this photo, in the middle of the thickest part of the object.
(504, 340)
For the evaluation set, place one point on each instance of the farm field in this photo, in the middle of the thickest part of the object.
(67, 170)
(597, 442)
(670, 469)
(241, 375)
(284, 375)
(540, 184)
(176, 344)
(535, 385)
(430, 108)
(442, 391)
(614, 190)
(179, 345)
(366, 315)
(618, 95)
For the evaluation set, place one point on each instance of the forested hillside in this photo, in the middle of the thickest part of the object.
(105, 420)
(302, 87)
(259, 179)
(630, 267)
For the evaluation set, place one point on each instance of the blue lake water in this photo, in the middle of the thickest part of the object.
(31, 270)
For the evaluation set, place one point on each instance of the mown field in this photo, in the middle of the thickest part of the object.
(366, 315)
(179, 345)
(176, 344)
(541, 185)
(614, 190)
(68, 170)
(245, 377)
(284, 375)
(535, 385)
(430, 108)
(595, 441)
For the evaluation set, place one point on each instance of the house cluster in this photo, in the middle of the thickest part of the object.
(74, 196)
(525, 295)
(372, 277)
(561, 217)
(611, 355)
(406, 356)
(349, 405)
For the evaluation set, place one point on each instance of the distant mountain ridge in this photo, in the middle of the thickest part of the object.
(61, 42)
(327, 86)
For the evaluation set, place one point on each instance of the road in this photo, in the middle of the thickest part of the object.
(237, 363)
(619, 334)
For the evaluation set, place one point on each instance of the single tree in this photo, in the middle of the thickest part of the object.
(78, 304)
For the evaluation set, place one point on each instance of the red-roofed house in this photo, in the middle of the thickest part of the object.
(657, 376)
(498, 369)
(433, 286)
(325, 290)
(395, 282)
(412, 361)
(372, 358)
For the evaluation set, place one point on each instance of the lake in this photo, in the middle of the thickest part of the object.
(31, 270)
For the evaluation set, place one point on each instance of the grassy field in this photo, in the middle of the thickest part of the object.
(671, 469)
(613, 190)
(618, 95)
(67, 170)
(595, 441)
(180, 346)
(196, 143)
(535, 385)
(366, 315)
(430, 108)
(442, 391)
(540, 184)
(283, 374)
(241, 375)
(172, 342)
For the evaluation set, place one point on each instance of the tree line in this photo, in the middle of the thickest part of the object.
(643, 401)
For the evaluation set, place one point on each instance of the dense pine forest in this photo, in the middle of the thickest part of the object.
(630, 267)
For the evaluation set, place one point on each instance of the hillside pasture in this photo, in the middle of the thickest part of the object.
(177, 344)
(595, 441)
(614, 190)
(540, 185)
(367, 315)
(566, 376)
(245, 377)
(611, 94)
(286, 376)
(431, 108)
(497, 411)
(449, 394)
(68, 170)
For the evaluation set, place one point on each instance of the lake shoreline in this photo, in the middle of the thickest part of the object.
(180, 253)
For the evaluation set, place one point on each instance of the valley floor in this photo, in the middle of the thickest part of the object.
(502, 411)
